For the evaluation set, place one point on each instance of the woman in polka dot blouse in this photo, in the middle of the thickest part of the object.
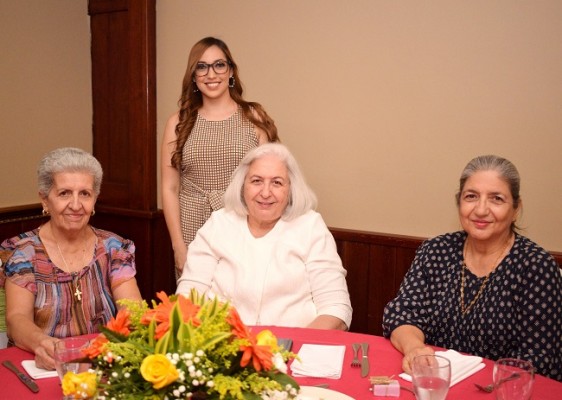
(485, 290)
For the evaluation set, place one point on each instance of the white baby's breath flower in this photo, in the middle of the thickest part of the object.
(127, 375)
(279, 363)
(210, 384)
(200, 353)
(195, 382)
(181, 377)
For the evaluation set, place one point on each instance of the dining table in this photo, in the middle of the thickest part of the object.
(384, 360)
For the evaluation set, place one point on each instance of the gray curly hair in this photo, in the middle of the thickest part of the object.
(67, 159)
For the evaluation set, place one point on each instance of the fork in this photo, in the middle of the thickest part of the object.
(490, 388)
(355, 362)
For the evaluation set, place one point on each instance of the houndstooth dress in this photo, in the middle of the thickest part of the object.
(210, 155)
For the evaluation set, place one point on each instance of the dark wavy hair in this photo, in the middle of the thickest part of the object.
(191, 100)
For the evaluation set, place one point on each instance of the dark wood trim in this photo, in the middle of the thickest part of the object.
(106, 6)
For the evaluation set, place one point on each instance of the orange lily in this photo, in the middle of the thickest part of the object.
(96, 347)
(120, 323)
(161, 313)
(260, 356)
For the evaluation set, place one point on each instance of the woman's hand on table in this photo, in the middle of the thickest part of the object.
(45, 352)
(409, 357)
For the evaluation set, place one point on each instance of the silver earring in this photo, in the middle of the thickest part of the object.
(93, 212)
(231, 82)
(45, 212)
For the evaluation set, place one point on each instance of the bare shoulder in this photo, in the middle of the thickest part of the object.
(173, 119)
(170, 128)
(261, 135)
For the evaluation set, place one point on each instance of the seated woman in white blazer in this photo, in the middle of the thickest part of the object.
(267, 251)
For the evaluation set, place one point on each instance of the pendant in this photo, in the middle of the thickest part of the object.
(78, 293)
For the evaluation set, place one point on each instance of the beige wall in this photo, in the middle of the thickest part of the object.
(46, 94)
(383, 102)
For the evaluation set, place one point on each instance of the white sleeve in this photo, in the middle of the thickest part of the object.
(201, 262)
(327, 274)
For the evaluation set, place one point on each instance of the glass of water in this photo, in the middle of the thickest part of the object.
(69, 356)
(513, 379)
(431, 376)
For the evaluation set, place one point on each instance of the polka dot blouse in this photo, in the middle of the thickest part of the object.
(518, 314)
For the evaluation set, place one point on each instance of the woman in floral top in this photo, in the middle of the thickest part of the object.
(64, 278)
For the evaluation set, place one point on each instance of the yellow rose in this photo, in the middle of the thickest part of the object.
(158, 370)
(79, 386)
(267, 338)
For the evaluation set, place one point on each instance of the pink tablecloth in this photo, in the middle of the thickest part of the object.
(384, 360)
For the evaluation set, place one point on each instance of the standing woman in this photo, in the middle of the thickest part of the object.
(205, 140)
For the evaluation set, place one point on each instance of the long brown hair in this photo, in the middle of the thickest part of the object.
(191, 99)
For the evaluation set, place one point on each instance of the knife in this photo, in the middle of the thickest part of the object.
(364, 360)
(30, 383)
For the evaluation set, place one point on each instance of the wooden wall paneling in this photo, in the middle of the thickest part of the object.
(142, 104)
(355, 259)
(373, 279)
(110, 103)
(381, 284)
(16, 220)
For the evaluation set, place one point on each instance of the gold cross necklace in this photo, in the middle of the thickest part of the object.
(75, 281)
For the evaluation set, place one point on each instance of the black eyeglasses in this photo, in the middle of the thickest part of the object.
(219, 66)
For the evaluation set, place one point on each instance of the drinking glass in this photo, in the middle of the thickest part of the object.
(513, 379)
(431, 376)
(69, 356)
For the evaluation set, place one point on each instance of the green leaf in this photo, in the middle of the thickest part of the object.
(283, 379)
(113, 336)
(250, 396)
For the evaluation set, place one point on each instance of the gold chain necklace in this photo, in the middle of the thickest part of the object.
(75, 282)
(475, 299)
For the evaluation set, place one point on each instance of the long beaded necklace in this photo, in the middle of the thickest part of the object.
(481, 289)
(75, 281)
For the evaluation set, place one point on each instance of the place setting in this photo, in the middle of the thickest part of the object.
(320, 361)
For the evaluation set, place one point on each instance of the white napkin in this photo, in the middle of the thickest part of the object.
(462, 366)
(319, 361)
(35, 372)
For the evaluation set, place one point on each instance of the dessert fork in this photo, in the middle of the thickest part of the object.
(355, 362)
(490, 388)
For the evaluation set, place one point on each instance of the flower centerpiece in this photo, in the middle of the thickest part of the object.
(182, 348)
